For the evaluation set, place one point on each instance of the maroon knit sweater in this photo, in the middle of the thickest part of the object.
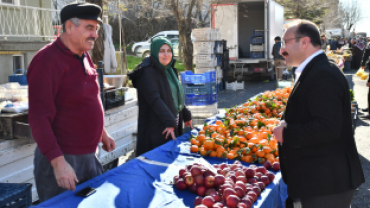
(65, 111)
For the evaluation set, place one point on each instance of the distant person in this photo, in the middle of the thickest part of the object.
(279, 61)
(161, 98)
(357, 54)
(334, 44)
(368, 102)
(366, 56)
(323, 42)
(317, 116)
(341, 43)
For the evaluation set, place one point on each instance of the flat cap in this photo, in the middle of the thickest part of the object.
(81, 11)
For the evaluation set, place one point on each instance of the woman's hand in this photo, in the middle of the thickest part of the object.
(169, 131)
(189, 123)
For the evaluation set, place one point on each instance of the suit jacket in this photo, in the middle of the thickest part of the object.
(318, 155)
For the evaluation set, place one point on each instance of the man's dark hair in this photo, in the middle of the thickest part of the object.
(306, 28)
(277, 38)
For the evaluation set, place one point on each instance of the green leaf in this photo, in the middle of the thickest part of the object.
(218, 142)
(237, 158)
(205, 124)
(260, 124)
(224, 155)
(208, 152)
(264, 115)
(225, 141)
(235, 141)
(240, 152)
(232, 132)
(227, 122)
(284, 102)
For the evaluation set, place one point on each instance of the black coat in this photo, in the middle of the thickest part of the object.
(156, 106)
(356, 57)
(318, 155)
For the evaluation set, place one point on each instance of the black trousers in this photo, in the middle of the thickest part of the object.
(368, 101)
(342, 200)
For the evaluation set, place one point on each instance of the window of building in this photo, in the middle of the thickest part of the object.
(18, 62)
(15, 2)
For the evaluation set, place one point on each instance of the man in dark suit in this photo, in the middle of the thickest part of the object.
(318, 155)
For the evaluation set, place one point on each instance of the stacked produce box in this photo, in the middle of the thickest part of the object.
(256, 45)
(201, 88)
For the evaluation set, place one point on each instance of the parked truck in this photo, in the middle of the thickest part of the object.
(249, 27)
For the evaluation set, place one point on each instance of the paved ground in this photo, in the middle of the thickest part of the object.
(229, 98)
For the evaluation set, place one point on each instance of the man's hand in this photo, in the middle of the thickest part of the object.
(188, 123)
(367, 84)
(64, 173)
(169, 131)
(278, 131)
(108, 142)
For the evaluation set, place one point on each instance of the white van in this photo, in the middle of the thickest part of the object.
(169, 34)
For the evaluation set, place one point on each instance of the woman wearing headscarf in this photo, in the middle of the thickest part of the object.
(161, 98)
(357, 53)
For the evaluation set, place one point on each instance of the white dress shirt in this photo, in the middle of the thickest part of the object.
(303, 65)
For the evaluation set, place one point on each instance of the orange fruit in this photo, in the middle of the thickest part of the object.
(220, 149)
(219, 123)
(213, 154)
(193, 141)
(267, 149)
(230, 156)
(194, 148)
(260, 153)
(208, 145)
(203, 151)
(277, 159)
(201, 137)
(276, 153)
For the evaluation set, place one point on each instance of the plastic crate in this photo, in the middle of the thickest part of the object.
(256, 40)
(258, 54)
(189, 77)
(205, 34)
(258, 33)
(200, 99)
(205, 61)
(254, 47)
(219, 59)
(203, 111)
(15, 195)
(207, 88)
(204, 48)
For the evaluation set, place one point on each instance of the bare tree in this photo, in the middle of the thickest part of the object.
(350, 13)
(183, 11)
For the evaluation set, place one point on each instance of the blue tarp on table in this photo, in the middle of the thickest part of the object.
(141, 184)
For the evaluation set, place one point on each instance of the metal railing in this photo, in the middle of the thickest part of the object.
(30, 22)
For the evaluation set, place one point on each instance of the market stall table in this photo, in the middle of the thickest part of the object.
(146, 182)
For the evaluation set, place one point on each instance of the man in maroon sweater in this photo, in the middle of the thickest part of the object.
(65, 111)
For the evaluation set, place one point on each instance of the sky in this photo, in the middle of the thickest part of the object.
(364, 24)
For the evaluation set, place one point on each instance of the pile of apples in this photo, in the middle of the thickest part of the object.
(226, 185)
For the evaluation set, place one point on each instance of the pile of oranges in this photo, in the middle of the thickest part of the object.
(246, 131)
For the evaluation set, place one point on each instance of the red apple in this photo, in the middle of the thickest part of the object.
(253, 194)
(195, 170)
(201, 190)
(188, 167)
(219, 179)
(208, 173)
(201, 206)
(208, 201)
(252, 180)
(216, 197)
(233, 166)
(186, 174)
(209, 181)
(181, 172)
(218, 205)
(227, 192)
(242, 205)
(267, 165)
(180, 184)
(276, 166)
(193, 188)
(198, 200)
(261, 170)
(216, 166)
(265, 180)
(241, 178)
(175, 178)
(248, 201)
(189, 180)
(239, 192)
(210, 192)
(261, 185)
(239, 173)
(199, 180)
(225, 171)
(271, 176)
(257, 190)
(258, 174)
(225, 186)
(252, 166)
(241, 185)
(233, 177)
(232, 201)
(250, 173)
(223, 166)
(219, 171)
